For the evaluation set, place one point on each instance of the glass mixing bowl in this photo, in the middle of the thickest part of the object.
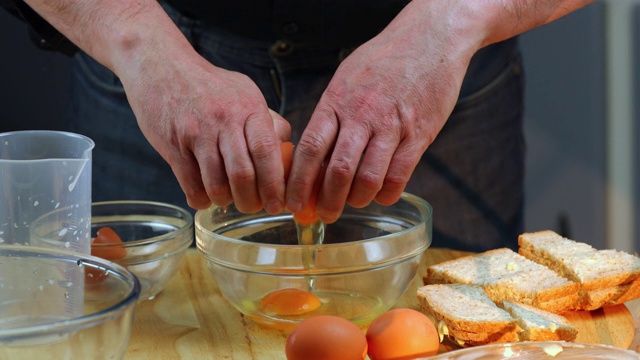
(155, 236)
(42, 316)
(365, 264)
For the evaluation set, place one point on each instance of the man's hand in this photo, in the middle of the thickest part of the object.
(211, 125)
(390, 98)
(214, 128)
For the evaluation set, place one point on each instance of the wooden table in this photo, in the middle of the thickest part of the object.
(191, 319)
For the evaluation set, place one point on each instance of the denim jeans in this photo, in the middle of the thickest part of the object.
(472, 174)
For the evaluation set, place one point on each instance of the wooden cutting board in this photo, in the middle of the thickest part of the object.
(611, 325)
(191, 319)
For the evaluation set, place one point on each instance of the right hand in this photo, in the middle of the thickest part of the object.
(214, 129)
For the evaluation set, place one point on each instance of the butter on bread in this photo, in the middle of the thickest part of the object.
(506, 275)
(606, 277)
(469, 317)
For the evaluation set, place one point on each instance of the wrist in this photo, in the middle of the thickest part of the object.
(459, 26)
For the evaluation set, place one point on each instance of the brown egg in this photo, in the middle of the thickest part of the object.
(326, 337)
(402, 334)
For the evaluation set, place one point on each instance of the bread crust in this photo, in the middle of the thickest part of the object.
(609, 296)
(507, 333)
(496, 338)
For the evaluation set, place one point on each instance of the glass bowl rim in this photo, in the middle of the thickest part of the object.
(425, 212)
(188, 218)
(405, 196)
(79, 322)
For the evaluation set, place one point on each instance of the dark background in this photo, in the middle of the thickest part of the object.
(33, 82)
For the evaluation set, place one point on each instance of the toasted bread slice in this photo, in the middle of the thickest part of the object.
(540, 325)
(464, 307)
(543, 289)
(549, 241)
(606, 277)
(478, 269)
(579, 262)
(506, 275)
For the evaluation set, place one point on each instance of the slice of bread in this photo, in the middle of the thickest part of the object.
(478, 269)
(466, 315)
(540, 325)
(464, 307)
(542, 289)
(506, 275)
(605, 276)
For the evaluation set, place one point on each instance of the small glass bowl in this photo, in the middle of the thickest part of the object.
(366, 262)
(155, 236)
(47, 311)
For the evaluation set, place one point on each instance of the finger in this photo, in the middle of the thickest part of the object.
(281, 126)
(187, 173)
(312, 149)
(211, 171)
(240, 171)
(372, 171)
(264, 148)
(340, 171)
(402, 165)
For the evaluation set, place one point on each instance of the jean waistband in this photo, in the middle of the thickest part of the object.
(337, 23)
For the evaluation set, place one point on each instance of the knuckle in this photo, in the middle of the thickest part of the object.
(369, 181)
(341, 169)
(310, 146)
(395, 183)
(262, 146)
(242, 176)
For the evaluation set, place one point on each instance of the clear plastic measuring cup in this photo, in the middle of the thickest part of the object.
(40, 172)
(45, 201)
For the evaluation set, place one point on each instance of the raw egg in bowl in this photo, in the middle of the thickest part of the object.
(358, 269)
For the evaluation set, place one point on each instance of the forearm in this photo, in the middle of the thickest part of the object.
(465, 26)
(508, 18)
(120, 34)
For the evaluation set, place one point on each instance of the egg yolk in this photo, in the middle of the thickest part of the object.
(289, 301)
(401, 334)
(112, 250)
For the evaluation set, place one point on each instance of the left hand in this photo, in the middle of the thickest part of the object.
(384, 106)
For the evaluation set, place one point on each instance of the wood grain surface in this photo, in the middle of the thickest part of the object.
(191, 319)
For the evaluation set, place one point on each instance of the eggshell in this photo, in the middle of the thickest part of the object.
(401, 334)
(326, 337)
